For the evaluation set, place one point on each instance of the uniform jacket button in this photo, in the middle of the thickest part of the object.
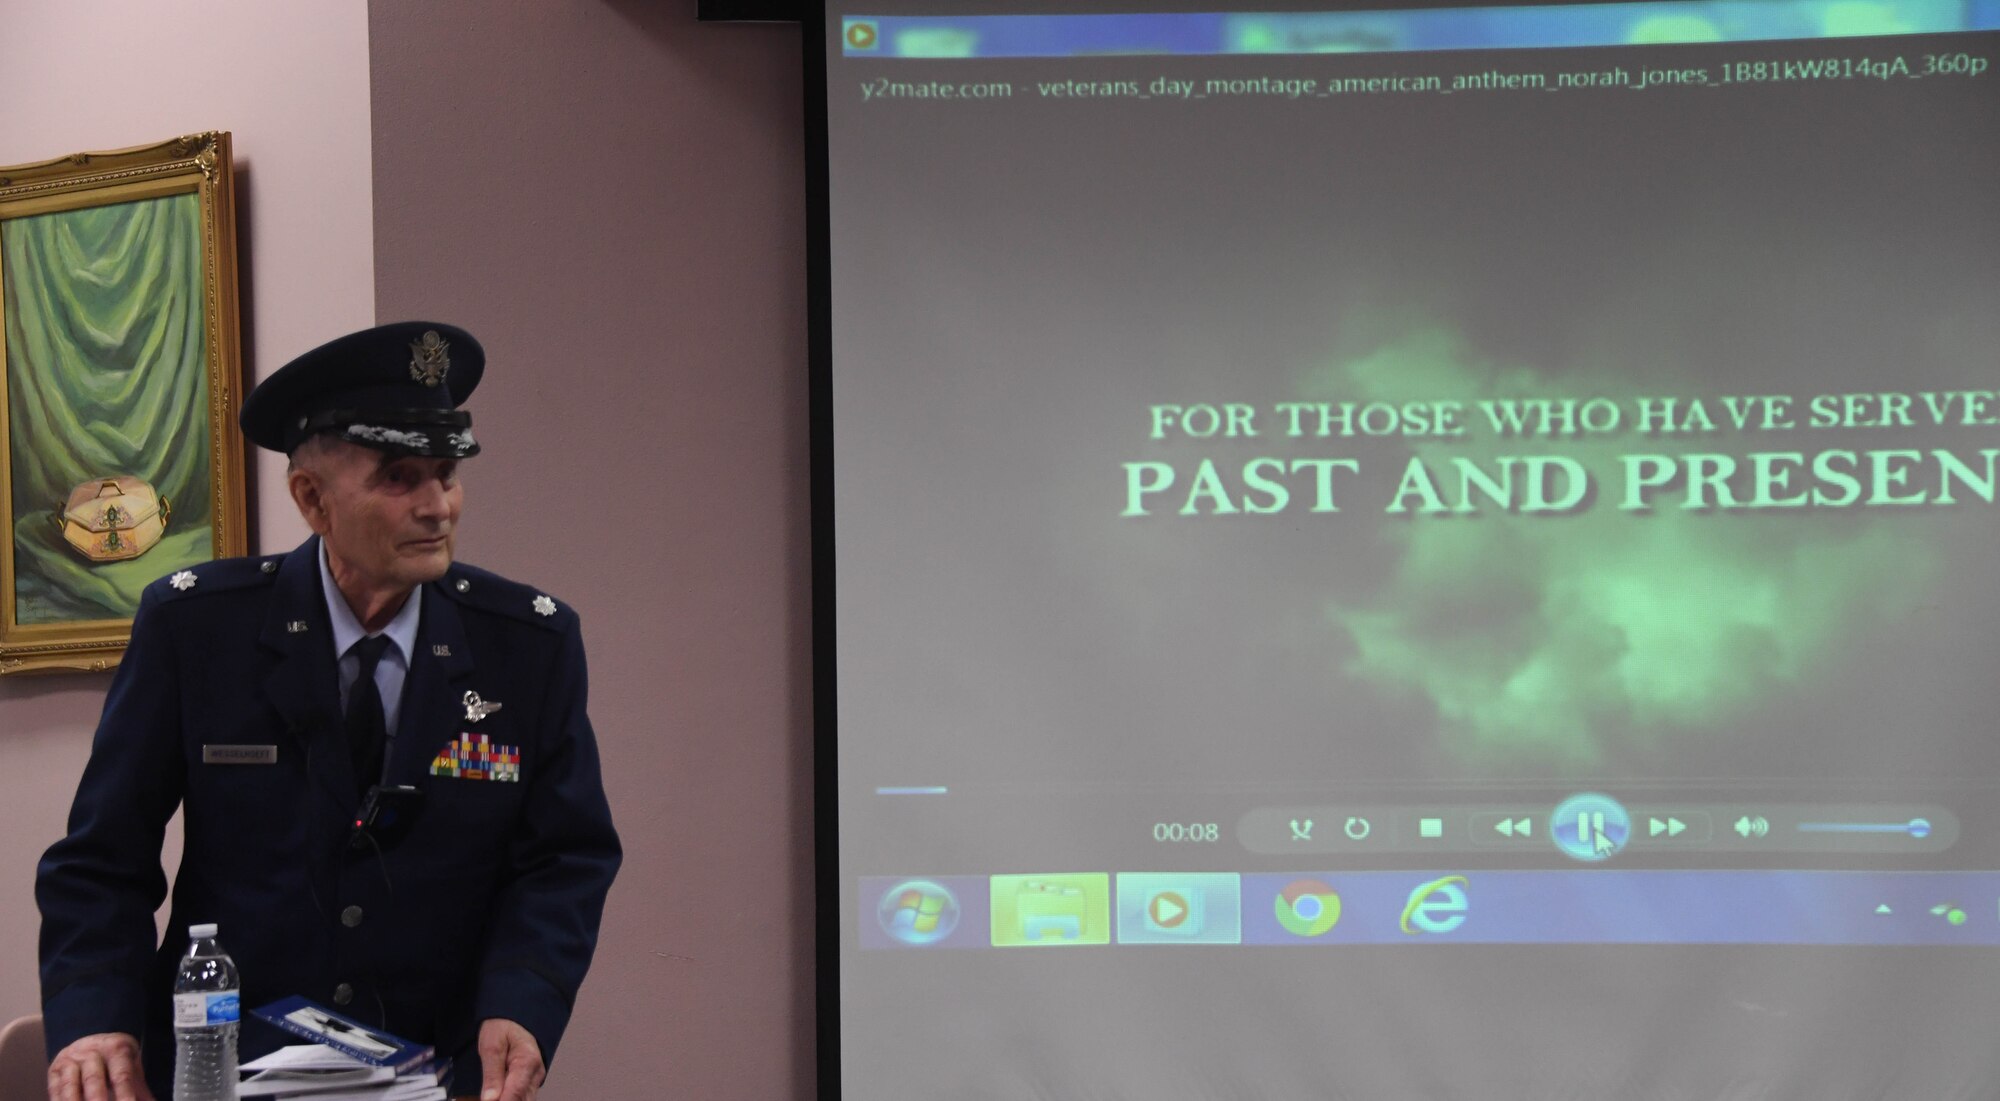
(351, 916)
(343, 994)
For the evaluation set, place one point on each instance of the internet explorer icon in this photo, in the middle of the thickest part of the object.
(1436, 907)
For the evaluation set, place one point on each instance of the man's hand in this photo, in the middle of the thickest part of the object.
(511, 1060)
(105, 1067)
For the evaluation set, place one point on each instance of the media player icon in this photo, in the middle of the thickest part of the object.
(1174, 910)
(1179, 908)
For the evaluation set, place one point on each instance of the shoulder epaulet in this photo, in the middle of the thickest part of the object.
(489, 592)
(220, 576)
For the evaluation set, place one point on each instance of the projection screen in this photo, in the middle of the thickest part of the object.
(1412, 552)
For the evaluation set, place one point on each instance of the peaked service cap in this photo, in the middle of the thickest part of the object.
(395, 388)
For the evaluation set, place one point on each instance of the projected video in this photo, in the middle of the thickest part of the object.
(1308, 482)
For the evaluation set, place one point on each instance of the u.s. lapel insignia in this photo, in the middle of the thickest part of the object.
(428, 361)
(440, 650)
(296, 626)
(183, 580)
(544, 606)
(477, 709)
(466, 759)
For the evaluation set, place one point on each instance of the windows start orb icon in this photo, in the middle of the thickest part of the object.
(918, 911)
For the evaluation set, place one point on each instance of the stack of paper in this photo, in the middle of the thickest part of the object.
(315, 1072)
(349, 1061)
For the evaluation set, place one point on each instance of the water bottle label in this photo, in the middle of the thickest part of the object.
(202, 1010)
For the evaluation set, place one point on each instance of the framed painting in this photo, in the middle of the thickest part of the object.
(120, 461)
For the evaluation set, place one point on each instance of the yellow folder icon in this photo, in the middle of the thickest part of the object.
(1038, 910)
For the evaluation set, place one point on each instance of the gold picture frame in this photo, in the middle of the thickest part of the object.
(121, 355)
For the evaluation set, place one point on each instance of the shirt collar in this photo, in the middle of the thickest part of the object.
(347, 630)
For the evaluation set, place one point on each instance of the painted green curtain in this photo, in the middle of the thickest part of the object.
(105, 376)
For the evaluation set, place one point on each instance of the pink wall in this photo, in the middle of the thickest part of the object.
(612, 197)
(291, 83)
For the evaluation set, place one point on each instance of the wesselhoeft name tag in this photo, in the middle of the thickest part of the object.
(239, 755)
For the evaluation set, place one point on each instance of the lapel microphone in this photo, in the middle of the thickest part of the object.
(386, 815)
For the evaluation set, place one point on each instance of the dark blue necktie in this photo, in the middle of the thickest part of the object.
(367, 731)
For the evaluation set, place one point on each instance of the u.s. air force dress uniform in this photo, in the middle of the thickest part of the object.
(228, 705)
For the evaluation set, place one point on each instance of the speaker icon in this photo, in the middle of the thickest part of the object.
(1748, 827)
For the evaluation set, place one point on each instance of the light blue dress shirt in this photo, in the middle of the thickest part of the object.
(393, 669)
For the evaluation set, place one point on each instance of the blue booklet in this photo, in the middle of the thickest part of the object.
(321, 1025)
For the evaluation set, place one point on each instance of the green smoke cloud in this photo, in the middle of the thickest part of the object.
(1544, 641)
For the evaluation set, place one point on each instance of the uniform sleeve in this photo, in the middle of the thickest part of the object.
(559, 867)
(99, 886)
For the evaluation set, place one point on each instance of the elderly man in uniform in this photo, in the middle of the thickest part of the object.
(271, 697)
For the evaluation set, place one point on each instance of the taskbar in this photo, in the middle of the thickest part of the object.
(1431, 906)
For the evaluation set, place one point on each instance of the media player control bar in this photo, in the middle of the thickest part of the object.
(1597, 827)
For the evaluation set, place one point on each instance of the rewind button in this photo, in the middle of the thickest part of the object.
(1502, 829)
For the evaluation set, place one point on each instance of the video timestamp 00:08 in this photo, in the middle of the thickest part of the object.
(1186, 831)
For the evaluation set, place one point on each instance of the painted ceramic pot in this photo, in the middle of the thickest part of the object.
(113, 519)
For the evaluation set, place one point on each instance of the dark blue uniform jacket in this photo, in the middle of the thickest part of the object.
(488, 908)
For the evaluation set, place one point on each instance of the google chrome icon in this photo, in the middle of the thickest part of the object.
(1307, 907)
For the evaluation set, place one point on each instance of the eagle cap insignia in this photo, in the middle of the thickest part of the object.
(429, 362)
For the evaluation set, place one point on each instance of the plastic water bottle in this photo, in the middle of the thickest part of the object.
(206, 1008)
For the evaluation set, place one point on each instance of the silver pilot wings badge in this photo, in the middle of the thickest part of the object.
(477, 709)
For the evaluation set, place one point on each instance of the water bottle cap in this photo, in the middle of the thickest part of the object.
(201, 932)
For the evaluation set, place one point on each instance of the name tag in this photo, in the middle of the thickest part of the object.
(239, 755)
